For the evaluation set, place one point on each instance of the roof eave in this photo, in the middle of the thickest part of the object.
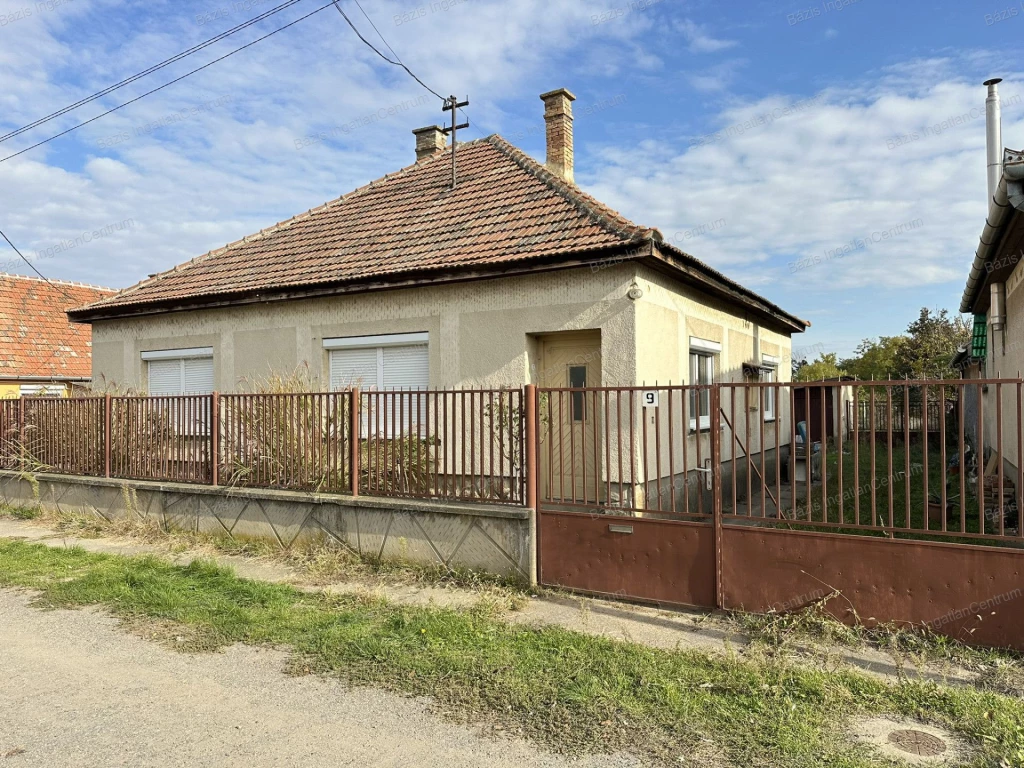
(619, 253)
(1007, 201)
(724, 288)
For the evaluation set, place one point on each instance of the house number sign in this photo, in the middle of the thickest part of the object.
(650, 398)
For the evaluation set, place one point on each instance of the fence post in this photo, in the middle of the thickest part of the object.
(532, 486)
(106, 435)
(716, 489)
(215, 438)
(353, 439)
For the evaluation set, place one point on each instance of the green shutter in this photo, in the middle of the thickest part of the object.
(979, 340)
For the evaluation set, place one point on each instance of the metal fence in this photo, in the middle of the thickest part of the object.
(904, 416)
(626, 450)
(445, 444)
(289, 441)
(792, 454)
(64, 435)
(453, 444)
(10, 434)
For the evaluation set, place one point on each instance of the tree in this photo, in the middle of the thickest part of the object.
(876, 359)
(934, 340)
(925, 351)
(825, 367)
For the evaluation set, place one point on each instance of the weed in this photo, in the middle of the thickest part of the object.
(572, 692)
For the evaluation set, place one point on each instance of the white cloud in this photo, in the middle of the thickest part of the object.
(700, 41)
(794, 188)
(194, 184)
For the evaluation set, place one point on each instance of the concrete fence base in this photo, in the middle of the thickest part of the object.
(486, 538)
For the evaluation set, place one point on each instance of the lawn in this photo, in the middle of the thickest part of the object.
(881, 499)
(569, 691)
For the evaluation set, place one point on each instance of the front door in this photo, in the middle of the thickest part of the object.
(570, 461)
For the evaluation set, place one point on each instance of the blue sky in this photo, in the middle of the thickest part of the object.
(829, 155)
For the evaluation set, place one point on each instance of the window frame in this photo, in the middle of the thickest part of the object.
(770, 375)
(706, 353)
(378, 342)
(181, 356)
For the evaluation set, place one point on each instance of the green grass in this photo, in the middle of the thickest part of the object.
(569, 691)
(865, 498)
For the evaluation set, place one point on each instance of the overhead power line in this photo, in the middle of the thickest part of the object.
(397, 61)
(172, 82)
(149, 71)
(65, 294)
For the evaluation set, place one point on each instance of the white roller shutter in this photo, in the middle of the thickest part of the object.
(198, 376)
(406, 368)
(181, 376)
(380, 367)
(354, 368)
(164, 377)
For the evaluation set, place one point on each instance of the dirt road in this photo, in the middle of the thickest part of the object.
(75, 690)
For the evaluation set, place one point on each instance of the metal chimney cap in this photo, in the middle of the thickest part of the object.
(993, 81)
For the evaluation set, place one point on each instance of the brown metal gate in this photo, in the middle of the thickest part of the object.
(625, 493)
(707, 496)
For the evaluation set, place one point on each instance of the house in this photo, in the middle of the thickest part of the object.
(995, 297)
(41, 353)
(513, 275)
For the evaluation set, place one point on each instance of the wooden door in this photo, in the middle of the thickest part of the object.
(570, 463)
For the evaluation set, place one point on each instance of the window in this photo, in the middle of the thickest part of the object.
(41, 390)
(578, 380)
(397, 361)
(769, 375)
(702, 373)
(180, 371)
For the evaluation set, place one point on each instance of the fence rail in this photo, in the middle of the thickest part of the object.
(736, 450)
(453, 444)
(445, 444)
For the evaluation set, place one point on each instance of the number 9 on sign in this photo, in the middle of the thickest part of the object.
(650, 398)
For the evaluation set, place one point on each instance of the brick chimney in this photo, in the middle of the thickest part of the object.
(558, 116)
(430, 141)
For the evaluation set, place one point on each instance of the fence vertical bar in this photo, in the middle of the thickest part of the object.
(714, 419)
(215, 438)
(531, 447)
(980, 453)
(999, 454)
(21, 434)
(353, 440)
(106, 435)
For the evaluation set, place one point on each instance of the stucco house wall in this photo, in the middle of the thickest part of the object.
(668, 315)
(1006, 360)
(479, 332)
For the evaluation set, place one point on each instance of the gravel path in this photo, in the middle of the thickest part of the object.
(76, 690)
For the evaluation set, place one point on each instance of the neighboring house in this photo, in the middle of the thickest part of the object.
(995, 296)
(513, 276)
(41, 353)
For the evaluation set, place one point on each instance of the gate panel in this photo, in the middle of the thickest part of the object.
(970, 593)
(656, 560)
(626, 509)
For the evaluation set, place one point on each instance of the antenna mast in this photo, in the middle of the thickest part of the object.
(452, 104)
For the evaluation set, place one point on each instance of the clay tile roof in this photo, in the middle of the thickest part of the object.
(507, 209)
(36, 339)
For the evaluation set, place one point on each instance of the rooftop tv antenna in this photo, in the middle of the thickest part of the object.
(452, 103)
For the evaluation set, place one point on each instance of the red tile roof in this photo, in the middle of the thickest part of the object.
(36, 339)
(507, 210)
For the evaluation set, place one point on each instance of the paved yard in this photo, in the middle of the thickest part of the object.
(75, 690)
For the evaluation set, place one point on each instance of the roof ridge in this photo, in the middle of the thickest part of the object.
(596, 210)
(45, 280)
